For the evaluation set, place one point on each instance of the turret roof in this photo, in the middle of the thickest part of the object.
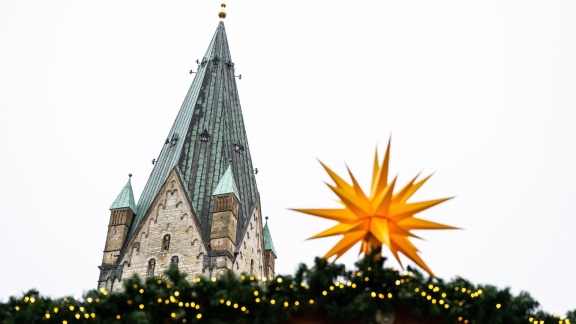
(268, 244)
(125, 197)
(227, 184)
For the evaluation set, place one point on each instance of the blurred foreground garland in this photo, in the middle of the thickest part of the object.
(327, 288)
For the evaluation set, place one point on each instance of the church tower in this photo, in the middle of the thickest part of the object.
(200, 208)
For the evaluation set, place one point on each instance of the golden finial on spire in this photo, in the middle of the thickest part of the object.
(222, 13)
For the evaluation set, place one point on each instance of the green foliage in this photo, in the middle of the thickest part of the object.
(326, 288)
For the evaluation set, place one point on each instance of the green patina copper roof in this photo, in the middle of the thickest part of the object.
(207, 133)
(125, 197)
(268, 244)
(227, 184)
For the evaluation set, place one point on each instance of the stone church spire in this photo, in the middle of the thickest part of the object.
(208, 131)
(200, 208)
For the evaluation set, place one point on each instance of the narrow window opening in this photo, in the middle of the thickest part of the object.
(151, 266)
(174, 260)
(166, 242)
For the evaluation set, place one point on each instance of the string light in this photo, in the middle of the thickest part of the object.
(268, 289)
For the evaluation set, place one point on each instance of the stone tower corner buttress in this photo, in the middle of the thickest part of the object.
(224, 223)
(118, 226)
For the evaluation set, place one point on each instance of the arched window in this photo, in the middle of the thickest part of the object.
(151, 266)
(174, 260)
(166, 242)
(252, 266)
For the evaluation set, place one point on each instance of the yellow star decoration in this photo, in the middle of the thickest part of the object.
(382, 218)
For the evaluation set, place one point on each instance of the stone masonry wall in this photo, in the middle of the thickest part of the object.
(251, 249)
(269, 263)
(170, 215)
(117, 230)
(223, 232)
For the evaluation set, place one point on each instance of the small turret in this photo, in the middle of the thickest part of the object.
(121, 214)
(269, 252)
(224, 219)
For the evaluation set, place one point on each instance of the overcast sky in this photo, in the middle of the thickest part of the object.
(480, 93)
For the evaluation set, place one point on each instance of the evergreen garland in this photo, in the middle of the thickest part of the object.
(326, 288)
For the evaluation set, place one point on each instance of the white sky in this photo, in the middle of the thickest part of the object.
(479, 92)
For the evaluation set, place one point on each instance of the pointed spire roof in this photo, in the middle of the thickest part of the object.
(268, 244)
(227, 184)
(125, 197)
(208, 132)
